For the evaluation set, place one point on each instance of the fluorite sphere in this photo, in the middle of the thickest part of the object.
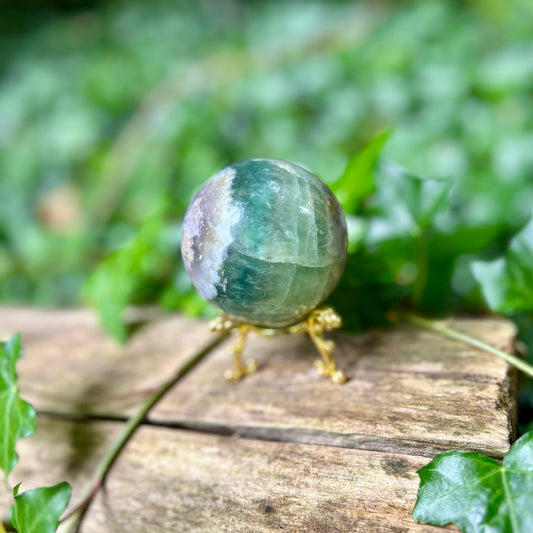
(265, 241)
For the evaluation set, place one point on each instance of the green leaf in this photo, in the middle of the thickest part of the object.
(17, 417)
(112, 286)
(357, 181)
(478, 494)
(368, 281)
(408, 201)
(507, 282)
(39, 510)
(402, 228)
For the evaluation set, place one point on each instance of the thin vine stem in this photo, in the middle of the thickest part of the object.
(451, 333)
(73, 519)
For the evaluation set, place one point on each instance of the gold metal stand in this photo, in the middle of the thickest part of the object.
(319, 321)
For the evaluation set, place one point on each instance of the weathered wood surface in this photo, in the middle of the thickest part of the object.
(283, 449)
(173, 480)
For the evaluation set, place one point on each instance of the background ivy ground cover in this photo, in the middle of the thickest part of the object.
(113, 113)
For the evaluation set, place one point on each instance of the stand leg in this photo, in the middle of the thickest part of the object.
(319, 321)
(239, 370)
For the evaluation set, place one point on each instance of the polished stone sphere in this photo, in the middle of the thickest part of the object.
(265, 241)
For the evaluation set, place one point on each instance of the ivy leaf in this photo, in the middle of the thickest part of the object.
(402, 227)
(112, 286)
(411, 202)
(39, 510)
(477, 493)
(17, 417)
(357, 181)
(368, 281)
(507, 282)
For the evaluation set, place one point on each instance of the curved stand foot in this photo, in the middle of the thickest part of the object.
(319, 321)
(224, 324)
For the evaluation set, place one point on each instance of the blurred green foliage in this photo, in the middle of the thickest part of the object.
(418, 115)
(112, 114)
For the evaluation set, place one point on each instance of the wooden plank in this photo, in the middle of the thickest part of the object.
(329, 458)
(69, 362)
(59, 451)
(172, 480)
(410, 391)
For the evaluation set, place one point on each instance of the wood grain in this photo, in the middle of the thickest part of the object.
(282, 449)
(71, 365)
(409, 391)
(173, 480)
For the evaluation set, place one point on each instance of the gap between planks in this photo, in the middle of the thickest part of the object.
(410, 391)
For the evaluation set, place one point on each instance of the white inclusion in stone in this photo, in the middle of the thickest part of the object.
(220, 216)
(286, 167)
